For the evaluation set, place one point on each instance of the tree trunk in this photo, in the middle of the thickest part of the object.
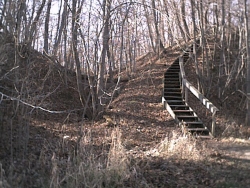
(46, 28)
(179, 22)
(170, 31)
(194, 46)
(158, 43)
(75, 27)
(34, 24)
(102, 64)
(183, 17)
(150, 32)
(248, 63)
(222, 53)
(61, 28)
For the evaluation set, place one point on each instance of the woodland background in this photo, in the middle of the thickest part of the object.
(63, 63)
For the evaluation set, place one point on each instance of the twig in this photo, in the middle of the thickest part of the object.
(38, 107)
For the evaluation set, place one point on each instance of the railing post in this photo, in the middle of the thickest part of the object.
(186, 94)
(213, 123)
(181, 76)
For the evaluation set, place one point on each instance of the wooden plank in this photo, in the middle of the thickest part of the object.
(209, 105)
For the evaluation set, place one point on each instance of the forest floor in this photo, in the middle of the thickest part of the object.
(149, 149)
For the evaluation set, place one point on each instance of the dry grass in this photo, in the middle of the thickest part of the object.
(180, 146)
(89, 169)
(114, 167)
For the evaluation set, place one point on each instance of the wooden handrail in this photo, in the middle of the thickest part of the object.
(186, 85)
(209, 105)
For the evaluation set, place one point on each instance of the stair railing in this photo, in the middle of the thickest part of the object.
(186, 85)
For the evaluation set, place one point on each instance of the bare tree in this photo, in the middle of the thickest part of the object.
(247, 38)
(105, 47)
(61, 26)
(46, 28)
(195, 46)
(158, 43)
(183, 17)
(34, 24)
(222, 53)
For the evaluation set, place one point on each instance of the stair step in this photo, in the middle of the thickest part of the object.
(191, 122)
(178, 96)
(171, 79)
(174, 67)
(177, 66)
(173, 70)
(172, 89)
(171, 86)
(197, 129)
(179, 107)
(171, 73)
(190, 113)
(187, 118)
(168, 86)
(171, 83)
(172, 93)
(204, 136)
(176, 63)
(197, 124)
(183, 112)
(173, 97)
(199, 132)
(175, 102)
(177, 91)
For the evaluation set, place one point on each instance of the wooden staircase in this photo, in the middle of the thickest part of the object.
(175, 104)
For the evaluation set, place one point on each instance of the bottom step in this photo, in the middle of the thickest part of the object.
(198, 131)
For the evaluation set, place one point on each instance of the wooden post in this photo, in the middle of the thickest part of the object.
(186, 94)
(182, 77)
(213, 123)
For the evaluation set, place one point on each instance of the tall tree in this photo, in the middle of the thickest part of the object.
(34, 24)
(222, 53)
(61, 26)
(183, 17)
(178, 21)
(158, 43)
(248, 62)
(105, 48)
(195, 46)
(46, 28)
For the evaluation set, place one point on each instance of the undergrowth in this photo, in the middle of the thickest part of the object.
(89, 170)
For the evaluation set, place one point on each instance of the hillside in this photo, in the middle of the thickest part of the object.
(135, 144)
